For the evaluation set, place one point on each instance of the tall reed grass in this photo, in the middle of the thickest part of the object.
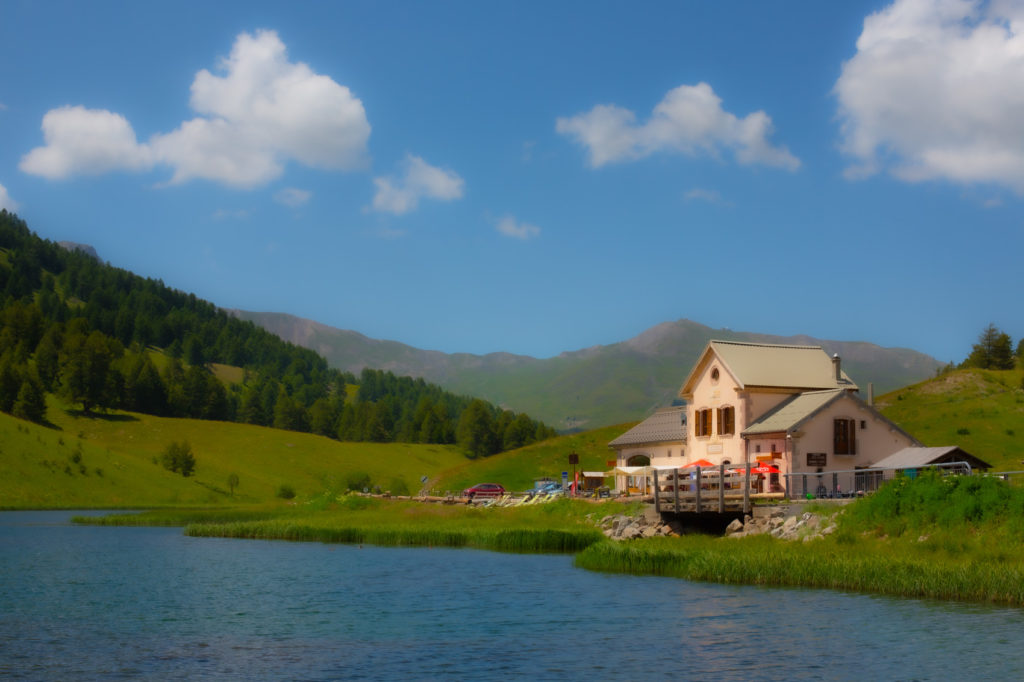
(506, 540)
(773, 562)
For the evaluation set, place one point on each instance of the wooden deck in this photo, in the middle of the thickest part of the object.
(680, 492)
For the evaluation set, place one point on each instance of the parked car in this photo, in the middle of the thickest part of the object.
(549, 489)
(484, 490)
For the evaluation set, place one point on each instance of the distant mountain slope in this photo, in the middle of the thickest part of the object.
(586, 388)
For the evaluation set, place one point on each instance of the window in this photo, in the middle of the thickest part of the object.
(714, 375)
(726, 421)
(702, 422)
(844, 438)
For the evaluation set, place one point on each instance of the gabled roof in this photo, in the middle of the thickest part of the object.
(792, 413)
(664, 426)
(772, 366)
(911, 458)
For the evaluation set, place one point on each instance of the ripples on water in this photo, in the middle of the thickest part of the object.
(152, 604)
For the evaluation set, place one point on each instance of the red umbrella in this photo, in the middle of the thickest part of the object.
(760, 469)
(699, 463)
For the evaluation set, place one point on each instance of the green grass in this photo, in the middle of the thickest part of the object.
(953, 538)
(561, 526)
(116, 467)
(979, 410)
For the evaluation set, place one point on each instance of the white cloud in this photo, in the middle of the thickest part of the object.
(689, 120)
(82, 141)
(510, 228)
(293, 197)
(263, 112)
(936, 91)
(6, 202)
(419, 180)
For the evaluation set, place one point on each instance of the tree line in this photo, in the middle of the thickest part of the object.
(103, 338)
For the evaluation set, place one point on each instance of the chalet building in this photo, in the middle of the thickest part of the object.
(792, 408)
(658, 441)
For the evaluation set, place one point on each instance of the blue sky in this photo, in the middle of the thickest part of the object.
(537, 177)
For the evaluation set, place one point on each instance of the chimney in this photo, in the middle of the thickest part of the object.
(871, 394)
(835, 364)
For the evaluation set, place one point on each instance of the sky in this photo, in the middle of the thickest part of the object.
(537, 177)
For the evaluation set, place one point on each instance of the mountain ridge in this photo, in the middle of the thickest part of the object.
(589, 387)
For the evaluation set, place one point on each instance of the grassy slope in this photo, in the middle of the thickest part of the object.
(982, 411)
(36, 467)
(517, 469)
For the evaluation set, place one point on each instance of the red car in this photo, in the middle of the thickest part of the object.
(484, 490)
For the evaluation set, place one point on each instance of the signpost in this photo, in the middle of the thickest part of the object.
(574, 459)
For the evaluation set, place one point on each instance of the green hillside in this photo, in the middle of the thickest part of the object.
(982, 411)
(517, 469)
(108, 461)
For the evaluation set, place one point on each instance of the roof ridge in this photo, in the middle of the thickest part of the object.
(766, 345)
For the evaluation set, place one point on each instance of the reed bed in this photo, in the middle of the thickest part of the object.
(507, 540)
(176, 517)
(867, 565)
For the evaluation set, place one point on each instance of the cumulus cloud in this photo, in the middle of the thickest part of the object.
(418, 180)
(293, 197)
(689, 120)
(936, 91)
(82, 141)
(6, 202)
(510, 228)
(260, 113)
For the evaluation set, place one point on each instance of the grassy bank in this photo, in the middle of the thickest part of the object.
(953, 538)
(564, 527)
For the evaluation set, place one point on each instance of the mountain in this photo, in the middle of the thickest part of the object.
(586, 388)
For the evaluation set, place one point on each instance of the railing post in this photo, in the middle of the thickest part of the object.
(698, 508)
(835, 484)
(746, 489)
(721, 488)
(677, 489)
(657, 491)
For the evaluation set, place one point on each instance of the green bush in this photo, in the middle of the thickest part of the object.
(358, 481)
(285, 492)
(178, 457)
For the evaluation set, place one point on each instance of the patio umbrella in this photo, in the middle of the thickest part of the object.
(699, 463)
(760, 469)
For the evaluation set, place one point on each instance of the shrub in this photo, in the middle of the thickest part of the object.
(178, 457)
(358, 481)
(285, 492)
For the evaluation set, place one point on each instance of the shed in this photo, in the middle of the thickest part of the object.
(912, 458)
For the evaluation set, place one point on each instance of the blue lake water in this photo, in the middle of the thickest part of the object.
(85, 603)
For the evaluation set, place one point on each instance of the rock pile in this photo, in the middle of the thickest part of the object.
(623, 527)
(805, 527)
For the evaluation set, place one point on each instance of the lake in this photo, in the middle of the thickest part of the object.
(86, 603)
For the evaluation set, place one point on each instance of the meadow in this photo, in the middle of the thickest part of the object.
(111, 460)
